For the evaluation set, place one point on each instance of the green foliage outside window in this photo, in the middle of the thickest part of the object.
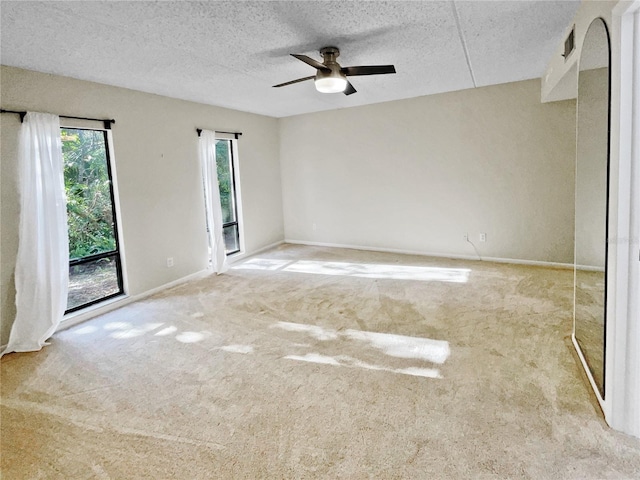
(223, 163)
(86, 180)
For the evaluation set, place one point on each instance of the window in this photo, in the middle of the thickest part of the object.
(95, 270)
(228, 198)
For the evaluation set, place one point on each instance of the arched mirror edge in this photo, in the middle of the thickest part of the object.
(599, 390)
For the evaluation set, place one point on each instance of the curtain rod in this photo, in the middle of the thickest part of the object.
(236, 134)
(107, 122)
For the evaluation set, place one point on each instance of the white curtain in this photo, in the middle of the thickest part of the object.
(42, 265)
(218, 257)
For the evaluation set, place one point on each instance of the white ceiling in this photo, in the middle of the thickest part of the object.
(231, 53)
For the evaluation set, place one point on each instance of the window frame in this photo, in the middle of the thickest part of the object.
(233, 167)
(117, 253)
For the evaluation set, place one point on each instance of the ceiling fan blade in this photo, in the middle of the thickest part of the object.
(294, 81)
(311, 61)
(368, 70)
(349, 90)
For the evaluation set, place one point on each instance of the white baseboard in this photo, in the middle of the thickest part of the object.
(119, 302)
(589, 268)
(242, 256)
(585, 365)
(432, 254)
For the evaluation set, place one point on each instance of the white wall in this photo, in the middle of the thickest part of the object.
(417, 174)
(156, 157)
(560, 80)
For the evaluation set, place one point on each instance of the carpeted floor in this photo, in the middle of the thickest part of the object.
(590, 321)
(319, 363)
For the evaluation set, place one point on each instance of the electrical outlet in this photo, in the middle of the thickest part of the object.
(169, 262)
(483, 237)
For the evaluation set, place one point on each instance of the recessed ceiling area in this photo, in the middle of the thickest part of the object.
(231, 53)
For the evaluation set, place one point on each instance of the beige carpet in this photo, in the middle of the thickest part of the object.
(319, 363)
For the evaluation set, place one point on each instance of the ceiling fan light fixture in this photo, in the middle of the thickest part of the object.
(333, 84)
(330, 77)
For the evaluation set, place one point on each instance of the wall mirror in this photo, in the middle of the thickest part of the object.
(592, 193)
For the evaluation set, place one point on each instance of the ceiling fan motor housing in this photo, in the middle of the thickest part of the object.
(330, 54)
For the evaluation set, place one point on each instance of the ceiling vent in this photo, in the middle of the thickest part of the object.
(569, 44)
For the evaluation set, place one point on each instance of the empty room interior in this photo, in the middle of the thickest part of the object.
(320, 239)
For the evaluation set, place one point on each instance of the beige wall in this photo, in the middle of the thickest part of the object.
(160, 188)
(417, 174)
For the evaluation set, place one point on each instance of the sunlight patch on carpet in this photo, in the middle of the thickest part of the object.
(346, 361)
(400, 346)
(238, 348)
(362, 270)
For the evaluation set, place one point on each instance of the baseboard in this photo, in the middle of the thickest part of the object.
(433, 254)
(242, 256)
(119, 302)
(585, 365)
(589, 268)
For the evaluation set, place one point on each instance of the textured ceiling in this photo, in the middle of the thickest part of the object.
(231, 53)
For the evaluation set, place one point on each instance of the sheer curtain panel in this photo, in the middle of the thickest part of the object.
(217, 255)
(42, 265)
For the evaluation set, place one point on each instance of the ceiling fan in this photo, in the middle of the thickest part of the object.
(331, 77)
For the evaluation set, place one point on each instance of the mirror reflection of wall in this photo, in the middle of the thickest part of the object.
(592, 168)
